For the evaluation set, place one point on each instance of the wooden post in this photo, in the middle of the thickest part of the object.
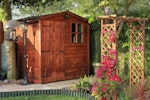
(143, 44)
(101, 40)
(130, 26)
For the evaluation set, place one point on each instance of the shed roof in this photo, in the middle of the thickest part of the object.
(36, 18)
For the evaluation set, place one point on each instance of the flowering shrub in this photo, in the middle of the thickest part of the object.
(112, 37)
(107, 79)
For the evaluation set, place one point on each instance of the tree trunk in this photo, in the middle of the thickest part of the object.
(6, 6)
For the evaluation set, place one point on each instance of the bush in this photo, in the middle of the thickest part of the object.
(84, 85)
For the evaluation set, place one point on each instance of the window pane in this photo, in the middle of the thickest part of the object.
(73, 38)
(79, 28)
(73, 27)
(80, 38)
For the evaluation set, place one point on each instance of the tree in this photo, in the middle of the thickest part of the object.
(86, 8)
(5, 10)
(5, 7)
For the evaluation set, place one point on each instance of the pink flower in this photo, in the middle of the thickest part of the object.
(103, 67)
(110, 69)
(112, 62)
(112, 32)
(133, 48)
(108, 73)
(140, 48)
(104, 31)
(94, 87)
(99, 73)
(105, 58)
(112, 51)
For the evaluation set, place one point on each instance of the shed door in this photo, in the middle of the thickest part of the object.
(52, 43)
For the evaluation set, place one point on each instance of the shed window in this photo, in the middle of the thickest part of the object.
(73, 27)
(79, 28)
(77, 33)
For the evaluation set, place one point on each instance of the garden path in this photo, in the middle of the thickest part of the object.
(16, 86)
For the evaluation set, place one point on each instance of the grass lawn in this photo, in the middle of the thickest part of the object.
(44, 97)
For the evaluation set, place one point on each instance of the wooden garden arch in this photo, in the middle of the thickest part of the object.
(137, 42)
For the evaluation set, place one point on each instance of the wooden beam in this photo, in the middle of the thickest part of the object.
(125, 18)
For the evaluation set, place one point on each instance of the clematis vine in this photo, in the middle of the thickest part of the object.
(112, 36)
(107, 73)
(104, 31)
(140, 48)
(133, 48)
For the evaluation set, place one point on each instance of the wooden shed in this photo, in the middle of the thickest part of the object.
(57, 47)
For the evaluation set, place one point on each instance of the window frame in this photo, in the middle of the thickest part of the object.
(78, 31)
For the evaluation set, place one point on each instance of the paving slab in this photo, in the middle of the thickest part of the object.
(53, 85)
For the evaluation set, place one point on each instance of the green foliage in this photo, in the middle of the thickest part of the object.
(123, 44)
(95, 26)
(147, 48)
(44, 97)
(84, 84)
(124, 94)
(1, 14)
(94, 44)
(2, 75)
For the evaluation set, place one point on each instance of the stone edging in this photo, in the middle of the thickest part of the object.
(46, 92)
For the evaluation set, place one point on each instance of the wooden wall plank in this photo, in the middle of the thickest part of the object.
(1, 38)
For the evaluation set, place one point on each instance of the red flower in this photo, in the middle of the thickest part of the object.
(104, 98)
(106, 85)
(105, 58)
(112, 51)
(114, 78)
(99, 73)
(112, 63)
(103, 89)
(103, 67)
(104, 31)
(112, 37)
(108, 73)
(110, 69)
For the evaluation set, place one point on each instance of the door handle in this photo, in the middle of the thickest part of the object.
(62, 51)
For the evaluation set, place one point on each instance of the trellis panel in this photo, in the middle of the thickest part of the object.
(108, 39)
(107, 28)
(137, 40)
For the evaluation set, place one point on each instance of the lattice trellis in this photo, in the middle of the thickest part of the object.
(108, 36)
(108, 39)
(137, 37)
